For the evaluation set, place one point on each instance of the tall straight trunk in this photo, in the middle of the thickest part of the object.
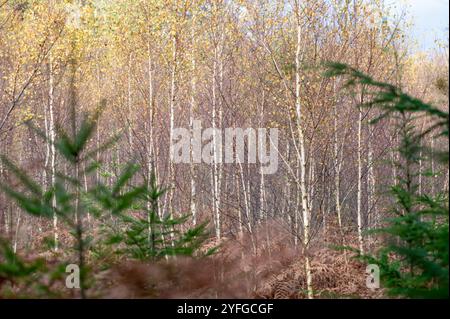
(129, 104)
(359, 194)
(217, 119)
(371, 182)
(79, 230)
(76, 175)
(214, 167)
(10, 221)
(47, 150)
(262, 185)
(46, 160)
(18, 215)
(172, 104)
(239, 211)
(326, 190)
(16, 232)
(287, 191)
(246, 193)
(192, 107)
(311, 183)
(433, 167)
(88, 214)
(338, 159)
(4, 209)
(52, 145)
(238, 194)
(262, 196)
(420, 171)
(393, 159)
(220, 113)
(97, 127)
(337, 173)
(150, 158)
(298, 203)
(302, 159)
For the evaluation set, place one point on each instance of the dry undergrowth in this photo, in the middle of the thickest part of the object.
(275, 271)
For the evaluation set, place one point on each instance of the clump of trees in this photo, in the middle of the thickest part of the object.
(70, 201)
(102, 189)
(414, 259)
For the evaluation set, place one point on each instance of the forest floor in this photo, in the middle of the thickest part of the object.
(275, 271)
(265, 266)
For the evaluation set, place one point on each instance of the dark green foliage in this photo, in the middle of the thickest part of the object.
(149, 236)
(414, 261)
(32, 198)
(140, 238)
(66, 198)
(21, 278)
(120, 196)
(12, 267)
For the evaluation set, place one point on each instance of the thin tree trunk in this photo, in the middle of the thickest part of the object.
(338, 158)
(172, 105)
(172, 102)
(302, 159)
(241, 224)
(149, 141)
(129, 105)
(371, 182)
(262, 185)
(214, 168)
(52, 145)
(192, 107)
(433, 167)
(337, 175)
(18, 214)
(247, 206)
(359, 194)
(86, 190)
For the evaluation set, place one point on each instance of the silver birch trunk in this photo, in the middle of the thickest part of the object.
(302, 159)
(192, 107)
(52, 145)
(359, 194)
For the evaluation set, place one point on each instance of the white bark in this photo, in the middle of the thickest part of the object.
(52, 145)
(311, 184)
(337, 173)
(192, 107)
(302, 158)
(129, 105)
(5, 214)
(97, 127)
(172, 102)
(246, 193)
(433, 167)
(16, 233)
(241, 224)
(150, 166)
(262, 186)
(86, 190)
(214, 168)
(359, 194)
(372, 209)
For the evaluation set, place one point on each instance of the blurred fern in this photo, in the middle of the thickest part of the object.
(151, 236)
(414, 261)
